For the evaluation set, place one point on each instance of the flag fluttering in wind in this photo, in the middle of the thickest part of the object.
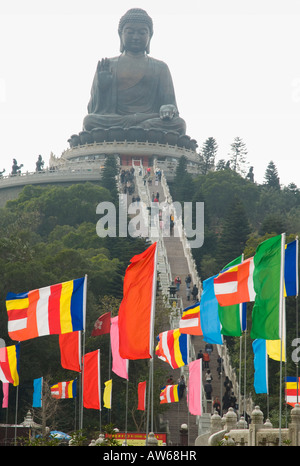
(257, 279)
(9, 364)
(142, 396)
(172, 348)
(91, 381)
(169, 394)
(5, 389)
(209, 314)
(37, 400)
(119, 365)
(195, 387)
(136, 313)
(190, 320)
(292, 392)
(51, 310)
(107, 394)
(64, 390)
(70, 351)
(260, 366)
(102, 325)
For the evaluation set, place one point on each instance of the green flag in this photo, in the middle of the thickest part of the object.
(230, 316)
(267, 282)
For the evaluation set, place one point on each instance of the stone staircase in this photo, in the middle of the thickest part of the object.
(173, 261)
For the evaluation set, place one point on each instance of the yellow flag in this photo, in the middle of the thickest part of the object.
(273, 350)
(107, 394)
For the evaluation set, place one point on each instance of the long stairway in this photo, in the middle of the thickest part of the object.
(173, 261)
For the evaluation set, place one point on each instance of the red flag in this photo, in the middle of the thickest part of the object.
(102, 325)
(136, 313)
(70, 353)
(142, 396)
(91, 380)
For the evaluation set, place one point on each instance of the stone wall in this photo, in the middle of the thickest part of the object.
(227, 431)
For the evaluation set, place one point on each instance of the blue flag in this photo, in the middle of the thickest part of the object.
(260, 366)
(209, 314)
(37, 393)
(291, 268)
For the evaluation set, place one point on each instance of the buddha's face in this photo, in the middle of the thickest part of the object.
(135, 37)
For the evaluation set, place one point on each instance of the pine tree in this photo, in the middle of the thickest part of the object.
(234, 235)
(238, 161)
(208, 153)
(271, 176)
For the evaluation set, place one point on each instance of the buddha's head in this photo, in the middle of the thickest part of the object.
(135, 31)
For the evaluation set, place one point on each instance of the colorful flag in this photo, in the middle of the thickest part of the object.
(51, 310)
(169, 394)
(235, 284)
(291, 279)
(233, 318)
(195, 387)
(5, 390)
(136, 313)
(70, 351)
(119, 365)
(292, 392)
(107, 394)
(209, 314)
(37, 392)
(64, 390)
(260, 366)
(173, 348)
(91, 381)
(102, 325)
(142, 396)
(257, 279)
(267, 311)
(9, 364)
(190, 320)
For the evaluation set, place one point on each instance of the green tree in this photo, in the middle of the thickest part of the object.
(238, 153)
(234, 233)
(271, 176)
(208, 154)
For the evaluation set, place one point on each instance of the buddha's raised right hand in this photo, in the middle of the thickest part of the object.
(104, 74)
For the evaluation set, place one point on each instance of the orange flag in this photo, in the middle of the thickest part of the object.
(70, 351)
(136, 313)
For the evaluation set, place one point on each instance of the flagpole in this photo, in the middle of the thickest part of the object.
(125, 443)
(16, 414)
(241, 343)
(83, 349)
(151, 336)
(281, 298)
(297, 374)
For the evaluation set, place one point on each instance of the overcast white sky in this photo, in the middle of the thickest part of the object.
(235, 67)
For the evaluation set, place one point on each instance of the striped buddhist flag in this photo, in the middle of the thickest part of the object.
(190, 320)
(55, 309)
(9, 364)
(64, 390)
(292, 392)
(169, 394)
(235, 285)
(172, 348)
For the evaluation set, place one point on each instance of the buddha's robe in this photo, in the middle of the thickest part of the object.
(136, 103)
